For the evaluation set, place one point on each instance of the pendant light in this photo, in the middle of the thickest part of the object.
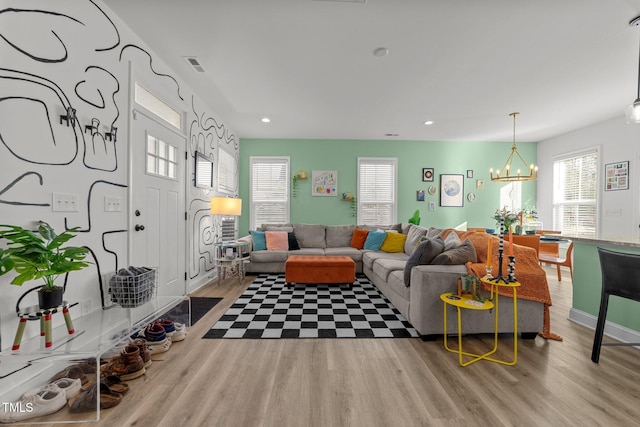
(633, 110)
(507, 173)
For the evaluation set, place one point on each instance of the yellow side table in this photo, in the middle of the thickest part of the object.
(466, 302)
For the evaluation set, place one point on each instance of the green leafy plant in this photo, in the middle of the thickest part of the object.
(39, 255)
(509, 218)
(472, 285)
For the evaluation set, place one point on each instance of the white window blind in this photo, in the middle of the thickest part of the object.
(227, 172)
(575, 189)
(157, 106)
(269, 190)
(377, 190)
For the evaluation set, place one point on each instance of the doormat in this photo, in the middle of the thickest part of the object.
(199, 307)
(270, 309)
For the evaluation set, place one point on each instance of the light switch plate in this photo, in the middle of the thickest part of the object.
(112, 204)
(65, 202)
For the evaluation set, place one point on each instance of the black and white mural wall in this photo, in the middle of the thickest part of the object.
(64, 140)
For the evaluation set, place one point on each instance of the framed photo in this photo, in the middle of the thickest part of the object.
(616, 176)
(452, 190)
(420, 195)
(480, 184)
(432, 206)
(427, 174)
(432, 190)
(471, 197)
(324, 183)
(469, 173)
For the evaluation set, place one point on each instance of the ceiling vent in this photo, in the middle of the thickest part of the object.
(194, 63)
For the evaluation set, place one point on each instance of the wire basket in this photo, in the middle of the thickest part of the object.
(129, 290)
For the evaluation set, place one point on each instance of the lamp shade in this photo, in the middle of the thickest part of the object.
(226, 206)
(633, 112)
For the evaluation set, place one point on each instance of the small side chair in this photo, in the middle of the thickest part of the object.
(559, 262)
(620, 277)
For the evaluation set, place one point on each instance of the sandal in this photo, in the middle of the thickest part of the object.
(115, 384)
(86, 401)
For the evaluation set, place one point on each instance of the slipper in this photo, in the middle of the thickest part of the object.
(115, 384)
(86, 401)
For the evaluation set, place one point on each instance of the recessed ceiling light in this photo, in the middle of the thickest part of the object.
(381, 51)
(266, 120)
(428, 123)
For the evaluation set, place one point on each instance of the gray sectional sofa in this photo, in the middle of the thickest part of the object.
(420, 301)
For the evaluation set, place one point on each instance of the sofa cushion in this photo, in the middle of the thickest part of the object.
(393, 227)
(277, 240)
(396, 282)
(459, 255)
(383, 266)
(259, 240)
(293, 242)
(370, 257)
(310, 251)
(276, 227)
(451, 241)
(414, 233)
(339, 236)
(310, 235)
(268, 256)
(359, 237)
(424, 254)
(375, 239)
(394, 242)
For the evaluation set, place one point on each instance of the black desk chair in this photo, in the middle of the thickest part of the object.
(620, 277)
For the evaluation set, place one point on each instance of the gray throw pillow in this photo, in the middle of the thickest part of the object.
(451, 241)
(424, 253)
(461, 255)
(414, 233)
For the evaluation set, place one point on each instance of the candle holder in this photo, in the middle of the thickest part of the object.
(499, 277)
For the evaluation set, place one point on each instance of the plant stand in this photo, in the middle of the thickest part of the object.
(44, 315)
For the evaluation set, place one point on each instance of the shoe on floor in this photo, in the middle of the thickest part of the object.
(154, 332)
(156, 347)
(73, 372)
(44, 402)
(145, 354)
(68, 386)
(115, 384)
(127, 367)
(179, 333)
(87, 400)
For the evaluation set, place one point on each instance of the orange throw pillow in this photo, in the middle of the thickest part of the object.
(277, 240)
(359, 237)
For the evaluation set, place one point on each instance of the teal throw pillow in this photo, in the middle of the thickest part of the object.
(259, 240)
(375, 239)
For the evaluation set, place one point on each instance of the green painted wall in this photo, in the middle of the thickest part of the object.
(587, 287)
(341, 155)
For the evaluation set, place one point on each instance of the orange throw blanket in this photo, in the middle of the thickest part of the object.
(532, 278)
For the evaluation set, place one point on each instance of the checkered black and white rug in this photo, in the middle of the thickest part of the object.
(270, 309)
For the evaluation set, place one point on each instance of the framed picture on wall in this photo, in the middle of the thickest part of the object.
(420, 195)
(616, 176)
(427, 174)
(324, 183)
(452, 190)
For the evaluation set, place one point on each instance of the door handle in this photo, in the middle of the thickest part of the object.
(139, 227)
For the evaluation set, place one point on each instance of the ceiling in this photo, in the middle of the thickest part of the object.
(309, 65)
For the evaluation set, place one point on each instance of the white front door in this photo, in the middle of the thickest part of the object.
(157, 215)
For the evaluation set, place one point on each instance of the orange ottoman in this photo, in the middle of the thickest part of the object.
(314, 269)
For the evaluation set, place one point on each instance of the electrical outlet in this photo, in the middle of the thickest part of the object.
(65, 202)
(112, 204)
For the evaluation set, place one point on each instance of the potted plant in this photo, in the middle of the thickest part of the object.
(40, 255)
(508, 217)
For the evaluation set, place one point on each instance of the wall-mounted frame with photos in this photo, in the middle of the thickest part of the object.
(616, 176)
(427, 174)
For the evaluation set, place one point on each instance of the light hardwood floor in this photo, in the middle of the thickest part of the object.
(382, 382)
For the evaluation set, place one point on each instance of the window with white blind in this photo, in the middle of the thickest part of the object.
(575, 189)
(269, 188)
(227, 172)
(377, 190)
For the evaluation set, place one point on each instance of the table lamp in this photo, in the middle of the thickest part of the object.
(225, 206)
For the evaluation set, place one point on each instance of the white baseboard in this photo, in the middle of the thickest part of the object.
(611, 329)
